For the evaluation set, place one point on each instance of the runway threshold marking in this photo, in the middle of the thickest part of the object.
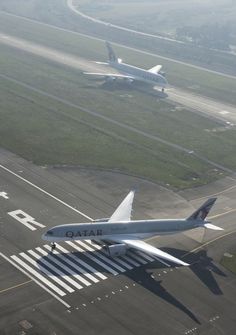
(35, 280)
(45, 192)
(59, 276)
(15, 286)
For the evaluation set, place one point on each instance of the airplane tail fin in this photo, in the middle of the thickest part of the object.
(202, 212)
(111, 54)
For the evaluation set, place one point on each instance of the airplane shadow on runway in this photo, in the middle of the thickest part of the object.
(145, 279)
(141, 275)
(202, 266)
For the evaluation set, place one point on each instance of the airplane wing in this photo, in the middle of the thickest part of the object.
(112, 75)
(155, 69)
(143, 246)
(124, 210)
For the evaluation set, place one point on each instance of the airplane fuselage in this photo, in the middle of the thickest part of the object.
(140, 74)
(104, 230)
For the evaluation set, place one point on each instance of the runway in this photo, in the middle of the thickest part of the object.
(211, 108)
(77, 289)
(222, 112)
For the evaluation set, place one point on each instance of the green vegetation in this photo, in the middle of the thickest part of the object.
(50, 121)
(195, 80)
(57, 13)
(161, 16)
(53, 126)
(229, 262)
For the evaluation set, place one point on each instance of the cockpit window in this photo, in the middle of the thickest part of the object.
(50, 232)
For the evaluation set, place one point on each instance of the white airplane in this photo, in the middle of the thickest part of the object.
(119, 232)
(131, 73)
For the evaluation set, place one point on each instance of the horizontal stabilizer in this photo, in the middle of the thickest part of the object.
(211, 226)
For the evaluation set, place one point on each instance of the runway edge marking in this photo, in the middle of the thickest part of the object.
(35, 280)
(45, 192)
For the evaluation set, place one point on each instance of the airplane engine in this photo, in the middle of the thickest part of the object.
(116, 250)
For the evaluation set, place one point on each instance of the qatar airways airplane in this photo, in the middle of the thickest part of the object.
(120, 233)
(131, 73)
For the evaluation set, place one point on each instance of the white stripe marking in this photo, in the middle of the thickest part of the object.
(104, 258)
(42, 269)
(38, 275)
(144, 255)
(66, 268)
(126, 257)
(79, 261)
(93, 258)
(129, 259)
(136, 256)
(73, 265)
(45, 192)
(35, 280)
(118, 260)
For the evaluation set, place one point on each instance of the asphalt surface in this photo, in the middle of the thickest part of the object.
(79, 291)
(119, 44)
(204, 105)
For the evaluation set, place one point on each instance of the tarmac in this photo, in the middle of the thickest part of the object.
(77, 289)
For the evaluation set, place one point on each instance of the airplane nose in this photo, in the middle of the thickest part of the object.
(44, 237)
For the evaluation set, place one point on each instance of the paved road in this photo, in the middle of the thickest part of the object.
(92, 19)
(215, 109)
(212, 108)
(122, 45)
(83, 64)
(77, 289)
(71, 5)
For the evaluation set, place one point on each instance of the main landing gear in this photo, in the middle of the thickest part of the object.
(163, 90)
(53, 246)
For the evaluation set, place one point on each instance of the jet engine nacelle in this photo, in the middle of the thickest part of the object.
(116, 250)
